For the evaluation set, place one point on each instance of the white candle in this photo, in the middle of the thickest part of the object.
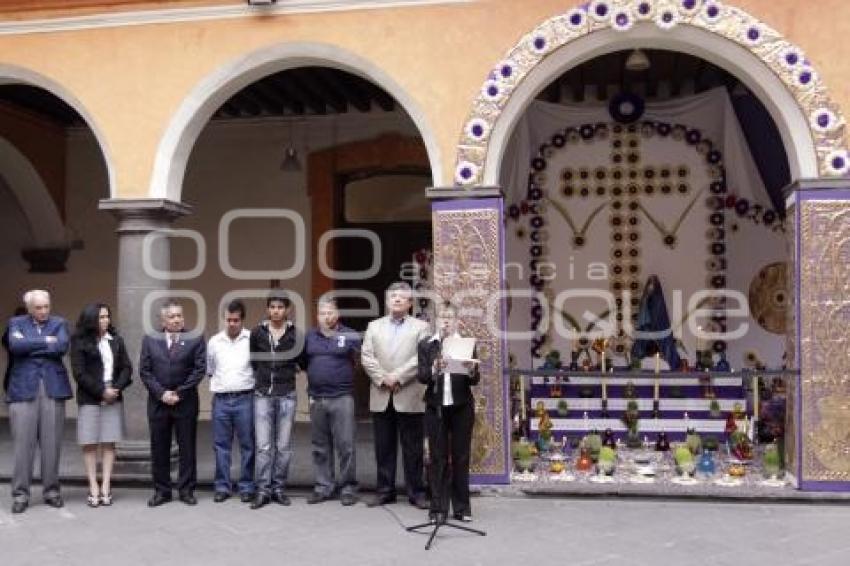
(604, 387)
(657, 387)
(521, 398)
(756, 398)
(657, 362)
(603, 361)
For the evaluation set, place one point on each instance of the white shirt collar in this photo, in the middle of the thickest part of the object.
(436, 336)
(244, 333)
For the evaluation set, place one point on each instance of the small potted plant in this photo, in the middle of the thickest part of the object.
(593, 442)
(563, 408)
(607, 462)
(771, 461)
(685, 465)
(714, 408)
(523, 454)
(711, 443)
(693, 441)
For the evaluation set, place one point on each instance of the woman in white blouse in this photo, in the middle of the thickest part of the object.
(102, 370)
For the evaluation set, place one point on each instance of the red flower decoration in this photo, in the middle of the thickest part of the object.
(730, 201)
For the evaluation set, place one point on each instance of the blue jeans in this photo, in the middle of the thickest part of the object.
(233, 413)
(273, 419)
(332, 420)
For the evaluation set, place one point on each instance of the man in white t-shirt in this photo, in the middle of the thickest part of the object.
(232, 385)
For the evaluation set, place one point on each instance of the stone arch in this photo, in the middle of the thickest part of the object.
(198, 107)
(12, 74)
(811, 124)
(22, 179)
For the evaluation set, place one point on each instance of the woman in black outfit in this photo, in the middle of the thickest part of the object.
(449, 419)
(102, 369)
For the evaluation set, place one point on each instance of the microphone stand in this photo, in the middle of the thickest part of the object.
(442, 517)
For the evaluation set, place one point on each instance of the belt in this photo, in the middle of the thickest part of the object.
(235, 393)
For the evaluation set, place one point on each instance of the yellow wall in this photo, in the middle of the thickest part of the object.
(132, 79)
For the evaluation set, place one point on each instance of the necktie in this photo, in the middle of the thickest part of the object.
(172, 345)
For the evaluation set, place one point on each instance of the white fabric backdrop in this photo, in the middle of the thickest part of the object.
(749, 247)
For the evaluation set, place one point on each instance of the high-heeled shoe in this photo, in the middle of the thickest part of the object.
(106, 499)
(93, 500)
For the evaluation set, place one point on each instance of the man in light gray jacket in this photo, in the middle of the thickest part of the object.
(389, 357)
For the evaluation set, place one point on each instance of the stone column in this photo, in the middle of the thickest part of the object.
(136, 219)
(468, 240)
(818, 404)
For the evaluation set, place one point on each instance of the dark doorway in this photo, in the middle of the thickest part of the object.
(391, 205)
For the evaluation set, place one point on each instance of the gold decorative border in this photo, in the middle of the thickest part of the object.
(826, 123)
(467, 272)
(824, 311)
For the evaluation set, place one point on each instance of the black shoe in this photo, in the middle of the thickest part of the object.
(348, 499)
(281, 498)
(19, 507)
(419, 501)
(316, 497)
(188, 499)
(260, 500)
(463, 517)
(221, 496)
(55, 501)
(381, 499)
(437, 517)
(246, 497)
(158, 499)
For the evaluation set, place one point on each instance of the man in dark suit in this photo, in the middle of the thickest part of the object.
(171, 365)
(449, 418)
(37, 388)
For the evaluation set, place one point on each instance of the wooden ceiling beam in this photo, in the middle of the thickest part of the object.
(246, 105)
(312, 84)
(290, 85)
(273, 91)
(343, 83)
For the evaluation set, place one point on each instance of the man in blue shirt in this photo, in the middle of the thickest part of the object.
(37, 389)
(331, 351)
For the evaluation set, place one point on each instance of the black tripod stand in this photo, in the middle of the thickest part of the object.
(441, 521)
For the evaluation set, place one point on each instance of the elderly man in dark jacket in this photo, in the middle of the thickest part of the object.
(37, 389)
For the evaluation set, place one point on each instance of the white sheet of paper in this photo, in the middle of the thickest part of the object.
(456, 351)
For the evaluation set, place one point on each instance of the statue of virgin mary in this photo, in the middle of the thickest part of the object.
(653, 325)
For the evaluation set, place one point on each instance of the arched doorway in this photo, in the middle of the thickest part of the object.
(299, 135)
(53, 171)
(810, 126)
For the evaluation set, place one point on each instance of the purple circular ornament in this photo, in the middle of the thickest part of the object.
(753, 34)
(601, 10)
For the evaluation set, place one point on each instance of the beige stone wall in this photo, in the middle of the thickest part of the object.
(132, 79)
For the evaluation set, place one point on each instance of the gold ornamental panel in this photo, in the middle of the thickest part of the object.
(467, 273)
(824, 312)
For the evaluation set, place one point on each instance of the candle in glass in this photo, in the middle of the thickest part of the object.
(521, 398)
(756, 398)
